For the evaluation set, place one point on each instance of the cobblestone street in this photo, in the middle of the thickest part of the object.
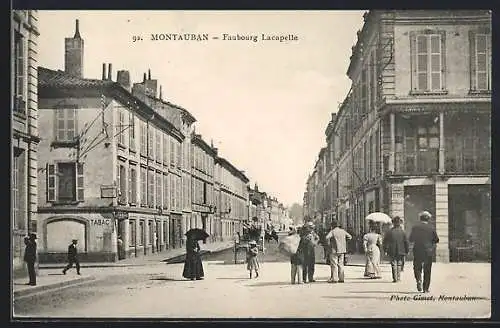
(158, 291)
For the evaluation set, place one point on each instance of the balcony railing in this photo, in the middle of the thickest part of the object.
(418, 162)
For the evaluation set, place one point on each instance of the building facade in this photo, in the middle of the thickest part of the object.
(24, 133)
(413, 133)
(232, 200)
(203, 202)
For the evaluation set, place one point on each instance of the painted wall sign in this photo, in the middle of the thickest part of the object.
(100, 222)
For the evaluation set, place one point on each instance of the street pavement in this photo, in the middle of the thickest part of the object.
(159, 291)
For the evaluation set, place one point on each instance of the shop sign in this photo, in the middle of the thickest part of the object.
(100, 222)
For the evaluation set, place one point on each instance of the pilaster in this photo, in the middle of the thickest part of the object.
(441, 218)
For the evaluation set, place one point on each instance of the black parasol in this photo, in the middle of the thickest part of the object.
(197, 234)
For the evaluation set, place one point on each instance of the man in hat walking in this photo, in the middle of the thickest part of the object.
(424, 239)
(72, 257)
(396, 245)
(30, 257)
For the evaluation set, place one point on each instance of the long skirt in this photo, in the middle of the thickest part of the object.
(372, 267)
(252, 263)
(193, 268)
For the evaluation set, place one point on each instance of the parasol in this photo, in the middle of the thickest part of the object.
(379, 217)
(288, 245)
(196, 234)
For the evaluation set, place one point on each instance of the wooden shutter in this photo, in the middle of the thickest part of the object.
(413, 60)
(472, 49)
(79, 182)
(443, 59)
(51, 183)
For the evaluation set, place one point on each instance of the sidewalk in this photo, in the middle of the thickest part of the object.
(155, 258)
(48, 279)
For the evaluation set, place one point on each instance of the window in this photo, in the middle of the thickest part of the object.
(144, 138)
(65, 182)
(151, 142)
(132, 233)
(178, 193)
(122, 126)
(19, 101)
(165, 149)
(131, 133)
(179, 155)
(172, 191)
(159, 189)
(165, 233)
(173, 149)
(373, 82)
(122, 184)
(364, 92)
(165, 192)
(428, 61)
(480, 61)
(151, 188)
(144, 186)
(142, 232)
(132, 182)
(65, 124)
(159, 138)
(16, 195)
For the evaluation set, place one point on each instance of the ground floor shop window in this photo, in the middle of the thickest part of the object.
(132, 233)
(469, 223)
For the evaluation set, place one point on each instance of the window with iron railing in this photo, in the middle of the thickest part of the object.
(19, 101)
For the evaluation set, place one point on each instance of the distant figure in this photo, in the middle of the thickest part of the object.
(311, 239)
(337, 240)
(193, 267)
(424, 239)
(396, 246)
(121, 249)
(371, 243)
(72, 257)
(30, 257)
(296, 261)
(252, 261)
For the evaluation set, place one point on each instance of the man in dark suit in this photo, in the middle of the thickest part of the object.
(30, 257)
(424, 239)
(72, 257)
(396, 246)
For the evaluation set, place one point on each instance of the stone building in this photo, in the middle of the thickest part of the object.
(24, 132)
(203, 202)
(232, 199)
(413, 132)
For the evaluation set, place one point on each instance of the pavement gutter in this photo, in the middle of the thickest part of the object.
(42, 288)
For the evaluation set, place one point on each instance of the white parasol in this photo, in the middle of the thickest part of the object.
(379, 217)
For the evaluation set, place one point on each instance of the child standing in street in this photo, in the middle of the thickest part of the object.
(252, 261)
(296, 261)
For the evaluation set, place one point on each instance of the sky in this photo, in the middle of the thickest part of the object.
(264, 104)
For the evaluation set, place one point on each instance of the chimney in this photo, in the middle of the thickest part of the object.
(123, 78)
(161, 96)
(144, 78)
(149, 74)
(73, 53)
(77, 30)
(109, 72)
(104, 71)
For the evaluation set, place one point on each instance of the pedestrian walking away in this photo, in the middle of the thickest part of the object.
(30, 258)
(337, 239)
(252, 261)
(396, 246)
(72, 257)
(371, 243)
(424, 239)
(296, 261)
(311, 239)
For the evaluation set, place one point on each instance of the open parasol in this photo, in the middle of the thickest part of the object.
(197, 234)
(378, 217)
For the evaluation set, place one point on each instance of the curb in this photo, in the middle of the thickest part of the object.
(42, 288)
(122, 265)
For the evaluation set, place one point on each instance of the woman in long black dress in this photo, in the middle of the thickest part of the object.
(193, 268)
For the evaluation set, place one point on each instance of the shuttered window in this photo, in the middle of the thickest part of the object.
(428, 61)
(65, 182)
(480, 60)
